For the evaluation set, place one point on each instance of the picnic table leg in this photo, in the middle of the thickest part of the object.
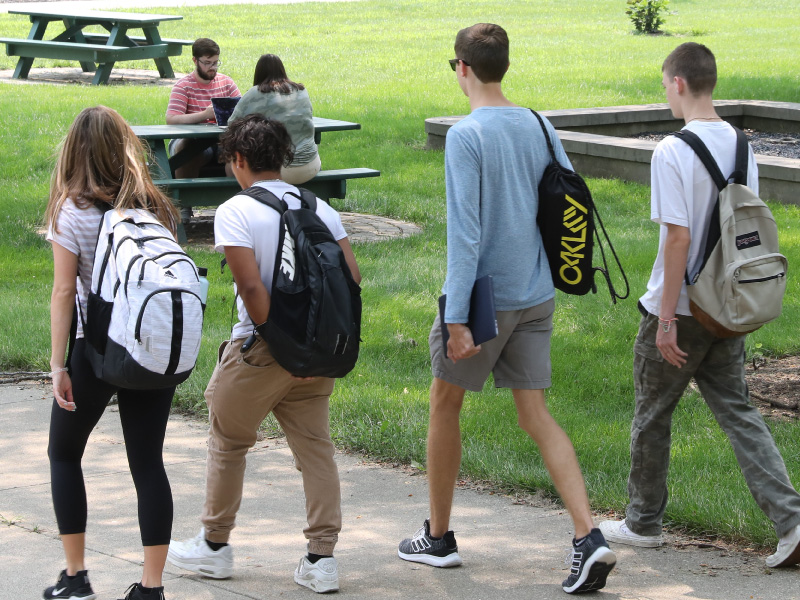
(163, 64)
(159, 167)
(103, 73)
(164, 68)
(117, 36)
(23, 67)
(77, 36)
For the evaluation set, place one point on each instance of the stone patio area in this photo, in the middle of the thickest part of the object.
(75, 76)
(360, 228)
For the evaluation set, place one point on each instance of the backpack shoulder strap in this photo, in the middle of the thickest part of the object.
(264, 196)
(309, 198)
(704, 155)
(546, 136)
(739, 174)
(714, 227)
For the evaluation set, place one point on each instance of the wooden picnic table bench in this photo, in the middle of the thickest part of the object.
(96, 52)
(213, 191)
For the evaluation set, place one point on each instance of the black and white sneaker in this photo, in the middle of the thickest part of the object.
(592, 560)
(70, 588)
(134, 592)
(437, 552)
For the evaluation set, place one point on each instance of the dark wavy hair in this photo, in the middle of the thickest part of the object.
(264, 143)
(270, 76)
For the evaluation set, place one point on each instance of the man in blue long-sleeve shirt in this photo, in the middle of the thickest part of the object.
(494, 160)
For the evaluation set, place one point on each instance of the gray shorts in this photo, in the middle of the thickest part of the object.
(519, 356)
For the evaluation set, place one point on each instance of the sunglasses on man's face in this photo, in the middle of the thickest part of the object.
(454, 62)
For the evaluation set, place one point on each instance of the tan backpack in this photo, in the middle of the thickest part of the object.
(741, 279)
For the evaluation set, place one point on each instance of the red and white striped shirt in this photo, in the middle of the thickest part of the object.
(190, 96)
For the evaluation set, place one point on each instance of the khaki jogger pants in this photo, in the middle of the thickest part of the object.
(243, 390)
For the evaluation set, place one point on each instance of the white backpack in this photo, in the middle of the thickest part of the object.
(741, 280)
(144, 315)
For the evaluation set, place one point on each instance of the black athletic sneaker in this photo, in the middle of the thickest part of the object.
(134, 592)
(70, 588)
(592, 560)
(422, 548)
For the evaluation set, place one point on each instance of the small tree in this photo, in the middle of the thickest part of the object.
(645, 14)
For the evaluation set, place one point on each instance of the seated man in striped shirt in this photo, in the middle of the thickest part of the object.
(190, 102)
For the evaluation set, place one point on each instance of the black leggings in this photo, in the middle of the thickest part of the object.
(143, 414)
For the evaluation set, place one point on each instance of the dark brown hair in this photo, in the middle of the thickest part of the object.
(102, 162)
(270, 76)
(204, 47)
(264, 143)
(696, 64)
(484, 47)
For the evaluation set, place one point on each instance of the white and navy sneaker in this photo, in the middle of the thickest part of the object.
(70, 588)
(437, 552)
(591, 561)
(321, 576)
(197, 556)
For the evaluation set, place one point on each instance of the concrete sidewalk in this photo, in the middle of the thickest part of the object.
(510, 551)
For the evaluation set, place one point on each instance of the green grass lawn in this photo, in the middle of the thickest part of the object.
(384, 64)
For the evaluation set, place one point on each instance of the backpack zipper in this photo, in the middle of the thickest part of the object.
(762, 279)
(139, 241)
(128, 272)
(137, 333)
(185, 258)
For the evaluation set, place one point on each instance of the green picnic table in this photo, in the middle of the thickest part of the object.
(156, 137)
(212, 191)
(96, 52)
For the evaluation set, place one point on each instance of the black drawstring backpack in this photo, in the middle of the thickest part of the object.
(566, 220)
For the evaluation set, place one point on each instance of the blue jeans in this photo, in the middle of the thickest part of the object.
(717, 366)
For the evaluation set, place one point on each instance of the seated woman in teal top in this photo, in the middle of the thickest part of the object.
(277, 97)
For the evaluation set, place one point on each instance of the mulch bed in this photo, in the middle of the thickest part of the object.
(775, 386)
(786, 145)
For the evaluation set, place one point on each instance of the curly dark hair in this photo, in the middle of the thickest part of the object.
(264, 143)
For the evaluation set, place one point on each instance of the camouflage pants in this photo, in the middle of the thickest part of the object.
(717, 366)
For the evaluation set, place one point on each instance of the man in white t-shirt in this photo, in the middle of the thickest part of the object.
(672, 347)
(248, 384)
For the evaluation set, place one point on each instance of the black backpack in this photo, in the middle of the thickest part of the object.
(314, 323)
(566, 220)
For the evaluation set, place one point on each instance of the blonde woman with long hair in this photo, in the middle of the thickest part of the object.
(101, 166)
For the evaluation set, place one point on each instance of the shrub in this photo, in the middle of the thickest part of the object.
(645, 14)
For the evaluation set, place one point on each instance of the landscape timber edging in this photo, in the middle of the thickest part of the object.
(586, 134)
